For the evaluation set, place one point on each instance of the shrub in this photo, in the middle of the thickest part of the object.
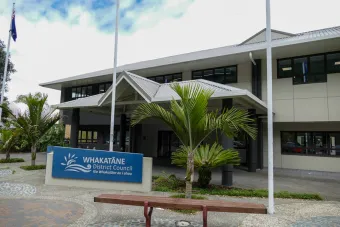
(206, 158)
(168, 182)
(36, 167)
(12, 160)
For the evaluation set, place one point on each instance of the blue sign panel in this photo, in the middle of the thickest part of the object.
(97, 165)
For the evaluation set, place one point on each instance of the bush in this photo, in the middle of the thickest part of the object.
(168, 182)
(12, 160)
(53, 137)
(36, 167)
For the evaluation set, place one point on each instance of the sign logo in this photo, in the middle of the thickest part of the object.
(69, 160)
(75, 163)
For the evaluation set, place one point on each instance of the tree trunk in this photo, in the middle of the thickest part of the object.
(33, 154)
(8, 155)
(190, 175)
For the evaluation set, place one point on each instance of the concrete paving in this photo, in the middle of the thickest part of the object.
(80, 209)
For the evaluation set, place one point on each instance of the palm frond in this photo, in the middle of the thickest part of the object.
(209, 156)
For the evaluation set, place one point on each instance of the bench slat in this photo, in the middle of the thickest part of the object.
(179, 203)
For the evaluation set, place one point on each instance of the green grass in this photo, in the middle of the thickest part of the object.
(183, 196)
(36, 167)
(4, 167)
(178, 186)
(11, 160)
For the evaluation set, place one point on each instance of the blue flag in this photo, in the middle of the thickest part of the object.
(13, 28)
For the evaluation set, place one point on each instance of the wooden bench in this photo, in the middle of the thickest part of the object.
(176, 203)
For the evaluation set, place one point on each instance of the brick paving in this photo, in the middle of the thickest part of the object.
(26, 201)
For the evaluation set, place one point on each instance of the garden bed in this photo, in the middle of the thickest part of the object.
(36, 167)
(11, 160)
(172, 184)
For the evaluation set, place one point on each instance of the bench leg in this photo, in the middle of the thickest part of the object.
(205, 216)
(147, 215)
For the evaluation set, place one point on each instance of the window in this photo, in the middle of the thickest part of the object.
(222, 75)
(309, 69)
(104, 87)
(168, 142)
(333, 63)
(311, 143)
(81, 92)
(300, 69)
(87, 136)
(167, 78)
(285, 68)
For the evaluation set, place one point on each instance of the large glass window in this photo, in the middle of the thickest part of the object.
(104, 87)
(222, 75)
(87, 136)
(81, 92)
(167, 78)
(311, 143)
(333, 63)
(309, 69)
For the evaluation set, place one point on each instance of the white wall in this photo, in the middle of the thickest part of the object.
(243, 76)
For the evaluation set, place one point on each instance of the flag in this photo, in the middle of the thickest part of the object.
(13, 28)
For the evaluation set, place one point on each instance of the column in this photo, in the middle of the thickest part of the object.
(122, 132)
(252, 147)
(227, 170)
(74, 127)
(256, 82)
(259, 143)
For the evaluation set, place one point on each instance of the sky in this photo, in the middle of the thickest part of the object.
(63, 38)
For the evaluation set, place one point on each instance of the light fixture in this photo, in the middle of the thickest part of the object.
(286, 68)
(337, 63)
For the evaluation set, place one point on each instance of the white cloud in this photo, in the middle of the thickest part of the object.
(50, 50)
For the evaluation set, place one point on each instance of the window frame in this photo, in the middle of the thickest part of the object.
(215, 68)
(324, 133)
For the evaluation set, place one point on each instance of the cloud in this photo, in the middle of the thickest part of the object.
(53, 45)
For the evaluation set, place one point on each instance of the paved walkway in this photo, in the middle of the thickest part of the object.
(26, 201)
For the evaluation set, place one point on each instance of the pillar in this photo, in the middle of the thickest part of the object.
(256, 81)
(122, 132)
(227, 170)
(259, 143)
(252, 147)
(74, 127)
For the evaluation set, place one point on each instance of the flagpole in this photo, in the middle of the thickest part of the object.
(270, 111)
(113, 101)
(6, 64)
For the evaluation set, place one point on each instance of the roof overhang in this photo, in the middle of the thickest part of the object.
(151, 91)
(195, 59)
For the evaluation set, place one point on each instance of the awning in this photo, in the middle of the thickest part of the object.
(145, 90)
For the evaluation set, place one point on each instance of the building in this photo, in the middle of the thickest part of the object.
(306, 98)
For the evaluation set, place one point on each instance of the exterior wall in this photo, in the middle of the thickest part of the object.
(315, 102)
(302, 162)
(243, 76)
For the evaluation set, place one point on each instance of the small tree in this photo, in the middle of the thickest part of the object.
(8, 140)
(189, 119)
(33, 123)
(206, 158)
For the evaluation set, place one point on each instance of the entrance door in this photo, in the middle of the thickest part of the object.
(167, 143)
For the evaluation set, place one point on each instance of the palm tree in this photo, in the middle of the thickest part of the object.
(8, 140)
(206, 158)
(192, 123)
(34, 122)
